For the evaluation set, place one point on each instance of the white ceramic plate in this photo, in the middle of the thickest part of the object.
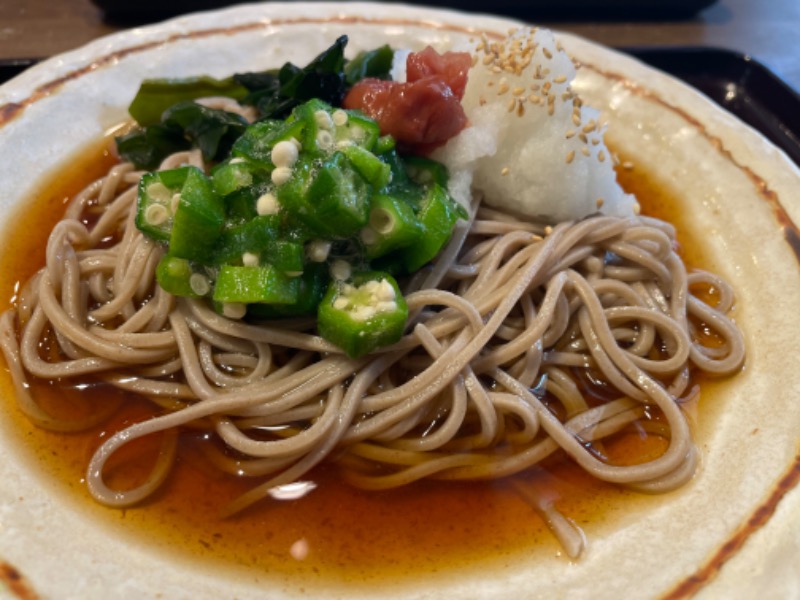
(732, 532)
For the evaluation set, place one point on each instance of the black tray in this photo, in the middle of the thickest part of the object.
(738, 83)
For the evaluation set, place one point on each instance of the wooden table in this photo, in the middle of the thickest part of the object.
(764, 29)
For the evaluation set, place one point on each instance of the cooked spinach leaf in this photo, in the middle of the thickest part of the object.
(276, 92)
(146, 147)
(183, 126)
(157, 95)
(375, 63)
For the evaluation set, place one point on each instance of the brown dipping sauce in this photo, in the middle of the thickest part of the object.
(333, 534)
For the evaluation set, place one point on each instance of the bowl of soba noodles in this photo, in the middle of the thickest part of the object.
(369, 300)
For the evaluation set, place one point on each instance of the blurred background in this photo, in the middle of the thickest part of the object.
(127, 10)
(764, 29)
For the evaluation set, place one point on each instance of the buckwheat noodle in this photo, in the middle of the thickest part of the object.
(506, 329)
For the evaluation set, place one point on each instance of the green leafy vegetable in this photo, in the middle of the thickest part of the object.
(370, 63)
(146, 147)
(213, 131)
(183, 126)
(157, 95)
(275, 93)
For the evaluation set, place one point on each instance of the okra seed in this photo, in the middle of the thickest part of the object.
(156, 214)
(323, 119)
(369, 236)
(159, 192)
(281, 175)
(234, 310)
(174, 202)
(236, 160)
(386, 306)
(267, 204)
(340, 303)
(340, 117)
(296, 143)
(250, 259)
(341, 270)
(363, 313)
(325, 140)
(386, 291)
(371, 287)
(318, 250)
(382, 221)
(424, 177)
(357, 133)
(199, 284)
(284, 154)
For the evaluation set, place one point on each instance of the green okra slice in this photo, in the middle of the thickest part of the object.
(437, 216)
(259, 284)
(392, 224)
(198, 219)
(157, 202)
(362, 314)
